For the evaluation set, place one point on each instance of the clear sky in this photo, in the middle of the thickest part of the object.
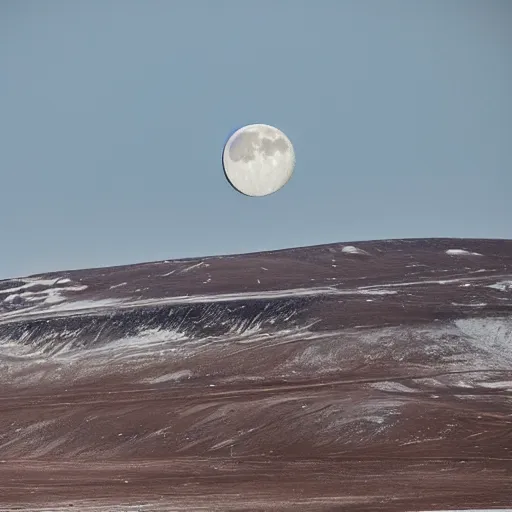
(114, 113)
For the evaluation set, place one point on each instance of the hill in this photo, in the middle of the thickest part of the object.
(359, 376)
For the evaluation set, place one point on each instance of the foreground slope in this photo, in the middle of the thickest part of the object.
(368, 376)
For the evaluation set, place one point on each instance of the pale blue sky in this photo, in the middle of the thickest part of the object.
(113, 115)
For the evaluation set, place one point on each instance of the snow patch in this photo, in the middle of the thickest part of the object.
(33, 282)
(489, 336)
(503, 286)
(393, 387)
(201, 264)
(504, 384)
(35, 293)
(472, 305)
(461, 252)
(145, 341)
(175, 377)
(117, 285)
(377, 292)
(350, 249)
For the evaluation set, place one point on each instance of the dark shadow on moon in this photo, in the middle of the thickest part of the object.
(226, 174)
(222, 157)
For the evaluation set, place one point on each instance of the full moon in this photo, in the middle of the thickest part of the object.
(258, 159)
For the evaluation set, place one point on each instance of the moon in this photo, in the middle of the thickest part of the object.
(258, 160)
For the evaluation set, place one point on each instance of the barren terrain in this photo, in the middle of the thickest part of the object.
(370, 376)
